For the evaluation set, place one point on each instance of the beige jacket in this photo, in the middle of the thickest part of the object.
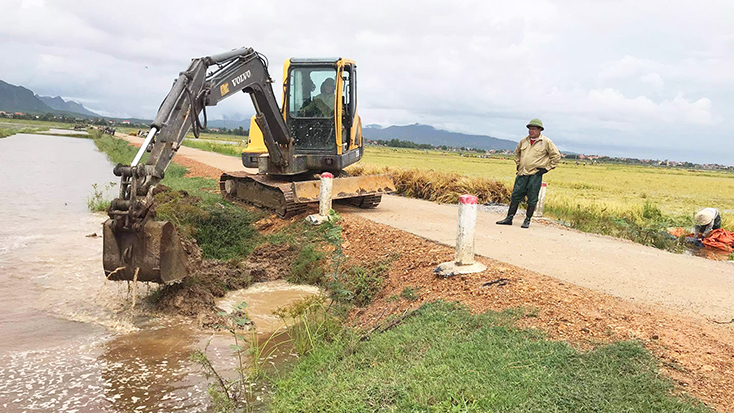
(543, 154)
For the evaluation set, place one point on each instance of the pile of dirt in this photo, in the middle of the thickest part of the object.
(697, 355)
(270, 262)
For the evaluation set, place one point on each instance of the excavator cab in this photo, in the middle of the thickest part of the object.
(320, 111)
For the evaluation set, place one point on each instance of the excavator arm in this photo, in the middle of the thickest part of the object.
(136, 247)
(238, 70)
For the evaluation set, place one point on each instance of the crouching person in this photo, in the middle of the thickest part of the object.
(535, 155)
(707, 220)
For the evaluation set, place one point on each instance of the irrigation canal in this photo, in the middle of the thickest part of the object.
(69, 341)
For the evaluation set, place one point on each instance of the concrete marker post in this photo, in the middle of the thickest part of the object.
(325, 189)
(541, 200)
(327, 183)
(464, 261)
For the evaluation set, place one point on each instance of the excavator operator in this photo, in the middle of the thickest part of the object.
(322, 105)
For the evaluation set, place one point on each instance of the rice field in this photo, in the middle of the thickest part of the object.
(603, 189)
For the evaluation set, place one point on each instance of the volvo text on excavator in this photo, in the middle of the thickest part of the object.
(316, 130)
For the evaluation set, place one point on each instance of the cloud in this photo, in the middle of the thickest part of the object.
(653, 80)
(627, 67)
(642, 108)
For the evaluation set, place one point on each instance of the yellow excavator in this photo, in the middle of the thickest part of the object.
(316, 130)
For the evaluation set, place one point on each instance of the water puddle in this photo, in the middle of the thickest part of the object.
(264, 298)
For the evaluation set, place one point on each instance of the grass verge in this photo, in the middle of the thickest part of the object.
(444, 359)
(223, 148)
(5, 132)
(223, 230)
(646, 225)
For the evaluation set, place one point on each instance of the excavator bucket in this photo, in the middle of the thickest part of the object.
(154, 254)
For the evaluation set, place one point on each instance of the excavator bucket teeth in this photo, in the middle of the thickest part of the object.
(155, 253)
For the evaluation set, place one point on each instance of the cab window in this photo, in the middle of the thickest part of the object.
(311, 93)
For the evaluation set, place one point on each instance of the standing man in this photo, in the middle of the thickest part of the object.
(535, 155)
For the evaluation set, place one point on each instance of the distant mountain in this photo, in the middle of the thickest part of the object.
(229, 124)
(428, 134)
(19, 99)
(66, 106)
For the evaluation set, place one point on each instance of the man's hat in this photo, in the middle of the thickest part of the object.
(536, 122)
(705, 216)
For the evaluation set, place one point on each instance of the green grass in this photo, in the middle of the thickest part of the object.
(444, 359)
(6, 131)
(227, 233)
(96, 202)
(37, 125)
(223, 148)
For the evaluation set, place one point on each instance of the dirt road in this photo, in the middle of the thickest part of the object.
(645, 275)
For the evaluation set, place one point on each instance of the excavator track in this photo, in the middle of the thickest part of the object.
(262, 191)
(365, 202)
(287, 197)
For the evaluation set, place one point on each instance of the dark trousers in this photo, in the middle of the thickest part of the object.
(527, 185)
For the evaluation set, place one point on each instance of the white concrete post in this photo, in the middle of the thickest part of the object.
(464, 261)
(541, 200)
(465, 233)
(327, 181)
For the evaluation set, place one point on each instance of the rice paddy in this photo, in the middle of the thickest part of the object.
(606, 189)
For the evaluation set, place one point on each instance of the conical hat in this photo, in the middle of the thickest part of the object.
(705, 216)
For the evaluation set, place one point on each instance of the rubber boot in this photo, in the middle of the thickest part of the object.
(528, 215)
(510, 214)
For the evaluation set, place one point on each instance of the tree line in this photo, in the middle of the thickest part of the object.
(397, 143)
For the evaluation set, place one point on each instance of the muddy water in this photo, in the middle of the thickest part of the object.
(46, 260)
(264, 298)
(69, 340)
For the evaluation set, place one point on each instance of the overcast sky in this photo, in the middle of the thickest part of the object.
(641, 78)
